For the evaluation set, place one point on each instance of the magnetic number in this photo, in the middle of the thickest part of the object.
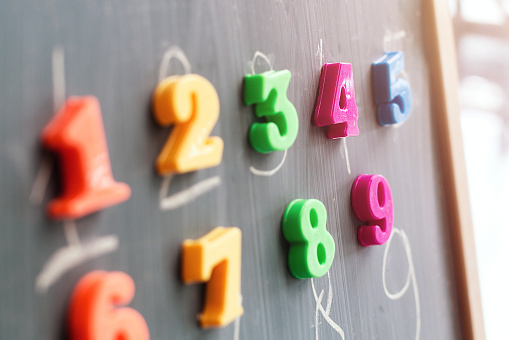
(335, 106)
(94, 314)
(268, 91)
(216, 258)
(372, 203)
(76, 133)
(392, 95)
(191, 103)
(312, 248)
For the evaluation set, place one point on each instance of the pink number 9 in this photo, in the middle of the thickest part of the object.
(372, 203)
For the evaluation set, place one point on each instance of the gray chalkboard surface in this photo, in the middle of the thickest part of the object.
(404, 289)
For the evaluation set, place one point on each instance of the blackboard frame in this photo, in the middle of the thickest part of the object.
(444, 77)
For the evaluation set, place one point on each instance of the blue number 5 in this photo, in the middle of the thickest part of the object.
(392, 95)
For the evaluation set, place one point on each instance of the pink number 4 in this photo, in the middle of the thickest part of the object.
(372, 203)
(335, 106)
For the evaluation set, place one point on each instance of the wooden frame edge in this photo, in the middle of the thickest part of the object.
(444, 80)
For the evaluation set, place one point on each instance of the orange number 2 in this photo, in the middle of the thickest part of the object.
(93, 315)
(191, 103)
(216, 258)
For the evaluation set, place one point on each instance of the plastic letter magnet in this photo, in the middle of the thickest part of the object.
(392, 95)
(372, 203)
(335, 105)
(268, 91)
(94, 313)
(312, 248)
(191, 104)
(76, 134)
(216, 259)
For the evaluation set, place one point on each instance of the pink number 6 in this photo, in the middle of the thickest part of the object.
(372, 203)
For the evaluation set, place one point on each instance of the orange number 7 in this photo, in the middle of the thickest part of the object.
(216, 258)
(191, 103)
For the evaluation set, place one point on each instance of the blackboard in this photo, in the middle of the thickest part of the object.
(113, 50)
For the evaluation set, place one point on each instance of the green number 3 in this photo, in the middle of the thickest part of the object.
(312, 248)
(268, 91)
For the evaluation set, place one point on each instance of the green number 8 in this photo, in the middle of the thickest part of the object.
(312, 248)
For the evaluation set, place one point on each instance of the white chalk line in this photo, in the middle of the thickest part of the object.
(347, 158)
(389, 37)
(397, 125)
(71, 256)
(236, 329)
(317, 314)
(58, 76)
(43, 175)
(255, 171)
(410, 277)
(187, 195)
(174, 52)
(259, 54)
(321, 52)
(71, 232)
(267, 173)
(325, 313)
(41, 182)
(236, 325)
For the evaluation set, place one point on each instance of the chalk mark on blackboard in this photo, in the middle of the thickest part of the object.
(58, 76)
(255, 171)
(171, 53)
(41, 182)
(344, 154)
(397, 125)
(410, 277)
(71, 256)
(236, 329)
(46, 168)
(262, 55)
(325, 313)
(236, 325)
(71, 232)
(318, 302)
(187, 195)
(320, 52)
(259, 172)
(389, 37)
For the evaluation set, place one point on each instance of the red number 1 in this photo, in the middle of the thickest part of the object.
(76, 133)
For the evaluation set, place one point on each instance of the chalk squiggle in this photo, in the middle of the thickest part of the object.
(187, 195)
(174, 52)
(267, 173)
(71, 256)
(325, 313)
(410, 278)
(236, 326)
